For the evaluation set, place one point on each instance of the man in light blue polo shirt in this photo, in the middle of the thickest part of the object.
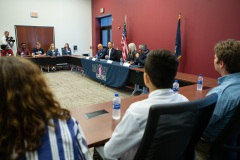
(227, 64)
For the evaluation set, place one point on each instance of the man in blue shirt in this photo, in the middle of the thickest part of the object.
(227, 64)
(142, 56)
(101, 52)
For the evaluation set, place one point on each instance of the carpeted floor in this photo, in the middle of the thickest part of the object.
(74, 90)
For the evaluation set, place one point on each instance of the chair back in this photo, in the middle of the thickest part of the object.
(86, 54)
(119, 55)
(227, 144)
(173, 130)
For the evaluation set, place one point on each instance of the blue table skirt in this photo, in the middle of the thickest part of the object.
(114, 74)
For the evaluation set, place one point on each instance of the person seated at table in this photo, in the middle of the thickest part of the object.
(38, 51)
(66, 50)
(131, 53)
(160, 70)
(33, 125)
(227, 64)
(23, 51)
(53, 51)
(111, 52)
(101, 52)
(6, 51)
(142, 55)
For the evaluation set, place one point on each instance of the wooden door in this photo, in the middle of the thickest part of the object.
(45, 36)
(26, 34)
(32, 34)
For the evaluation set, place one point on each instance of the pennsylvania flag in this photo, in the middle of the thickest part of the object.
(177, 49)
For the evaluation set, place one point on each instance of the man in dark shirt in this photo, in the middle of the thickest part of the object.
(101, 52)
(23, 51)
(142, 56)
(111, 52)
(38, 51)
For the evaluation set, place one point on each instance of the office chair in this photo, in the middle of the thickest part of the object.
(227, 144)
(173, 130)
(119, 55)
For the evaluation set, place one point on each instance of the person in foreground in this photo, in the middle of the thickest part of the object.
(32, 123)
(160, 70)
(227, 64)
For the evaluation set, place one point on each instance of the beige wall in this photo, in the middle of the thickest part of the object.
(71, 20)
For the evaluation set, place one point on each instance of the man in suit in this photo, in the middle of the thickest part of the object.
(142, 55)
(101, 52)
(160, 70)
(227, 64)
(111, 52)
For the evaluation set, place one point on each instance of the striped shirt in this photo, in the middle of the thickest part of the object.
(66, 143)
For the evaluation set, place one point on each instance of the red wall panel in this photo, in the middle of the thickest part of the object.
(154, 22)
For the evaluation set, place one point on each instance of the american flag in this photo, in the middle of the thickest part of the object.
(124, 42)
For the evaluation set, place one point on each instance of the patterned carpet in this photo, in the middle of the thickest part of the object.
(74, 90)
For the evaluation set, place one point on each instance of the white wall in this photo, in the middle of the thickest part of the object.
(71, 20)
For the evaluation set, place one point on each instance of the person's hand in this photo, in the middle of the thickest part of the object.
(131, 62)
(137, 55)
(106, 57)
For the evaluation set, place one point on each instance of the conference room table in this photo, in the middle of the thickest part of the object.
(53, 60)
(99, 129)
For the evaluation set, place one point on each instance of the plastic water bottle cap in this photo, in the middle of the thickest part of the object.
(176, 80)
(200, 74)
(116, 94)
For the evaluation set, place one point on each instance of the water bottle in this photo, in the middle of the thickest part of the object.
(175, 86)
(200, 82)
(116, 112)
(121, 61)
(22, 54)
(96, 56)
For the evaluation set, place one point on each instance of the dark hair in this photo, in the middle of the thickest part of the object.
(161, 66)
(229, 52)
(27, 105)
(3, 46)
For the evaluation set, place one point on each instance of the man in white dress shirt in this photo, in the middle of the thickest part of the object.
(7, 40)
(160, 70)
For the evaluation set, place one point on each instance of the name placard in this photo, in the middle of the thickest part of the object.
(109, 61)
(87, 57)
(93, 59)
(126, 64)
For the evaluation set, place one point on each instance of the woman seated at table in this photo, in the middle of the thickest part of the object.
(131, 53)
(33, 125)
(6, 51)
(53, 51)
(66, 50)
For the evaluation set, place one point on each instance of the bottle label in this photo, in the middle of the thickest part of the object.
(116, 106)
(175, 89)
(200, 82)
